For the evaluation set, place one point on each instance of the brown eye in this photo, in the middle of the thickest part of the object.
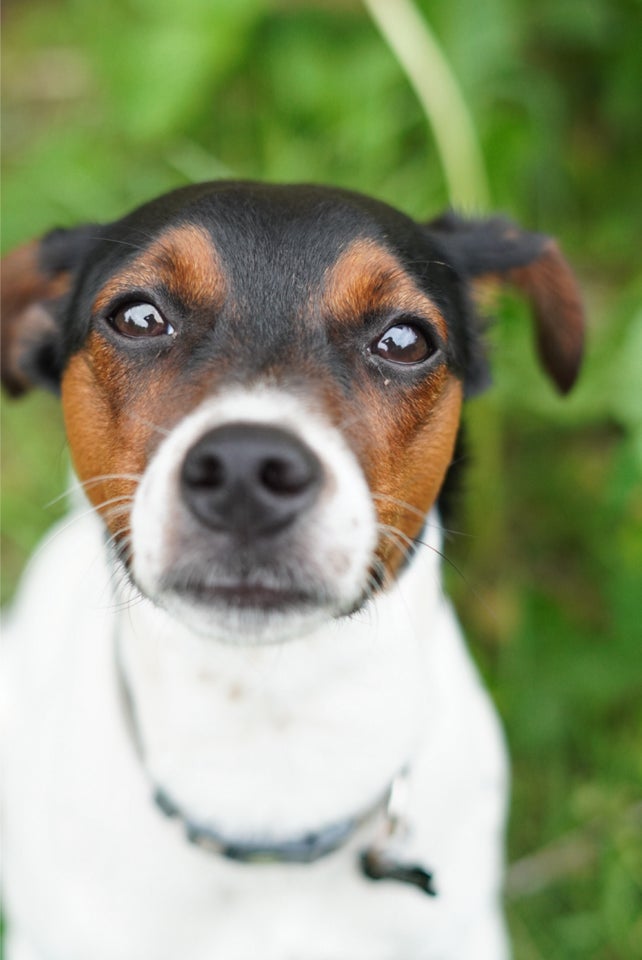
(138, 320)
(403, 343)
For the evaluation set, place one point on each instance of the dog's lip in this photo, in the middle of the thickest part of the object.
(244, 595)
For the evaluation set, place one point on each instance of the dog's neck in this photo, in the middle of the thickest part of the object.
(313, 729)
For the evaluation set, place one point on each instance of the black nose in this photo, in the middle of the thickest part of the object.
(249, 479)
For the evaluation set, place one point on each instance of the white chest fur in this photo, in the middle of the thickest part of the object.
(256, 740)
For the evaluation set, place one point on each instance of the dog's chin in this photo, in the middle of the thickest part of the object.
(251, 615)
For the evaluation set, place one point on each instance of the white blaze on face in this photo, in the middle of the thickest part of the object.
(327, 552)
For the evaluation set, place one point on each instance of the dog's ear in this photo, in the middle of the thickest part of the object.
(36, 281)
(496, 251)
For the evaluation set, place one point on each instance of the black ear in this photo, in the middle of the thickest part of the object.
(36, 281)
(498, 251)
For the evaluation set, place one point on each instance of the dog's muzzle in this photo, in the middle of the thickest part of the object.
(253, 522)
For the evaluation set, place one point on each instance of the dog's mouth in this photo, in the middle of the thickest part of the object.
(261, 605)
(247, 610)
(245, 596)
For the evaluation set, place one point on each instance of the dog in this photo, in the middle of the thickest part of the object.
(240, 720)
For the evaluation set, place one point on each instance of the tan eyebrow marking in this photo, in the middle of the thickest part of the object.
(366, 278)
(183, 259)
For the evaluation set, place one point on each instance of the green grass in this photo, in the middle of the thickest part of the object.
(109, 104)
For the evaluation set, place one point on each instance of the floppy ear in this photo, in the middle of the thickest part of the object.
(36, 280)
(498, 251)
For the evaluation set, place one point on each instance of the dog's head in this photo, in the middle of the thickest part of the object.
(262, 385)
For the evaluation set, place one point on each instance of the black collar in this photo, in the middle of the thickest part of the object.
(305, 848)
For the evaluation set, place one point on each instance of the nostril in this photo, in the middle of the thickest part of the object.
(207, 470)
(286, 477)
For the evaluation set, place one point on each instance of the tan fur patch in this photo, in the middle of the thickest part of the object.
(367, 278)
(107, 449)
(114, 423)
(183, 259)
(408, 450)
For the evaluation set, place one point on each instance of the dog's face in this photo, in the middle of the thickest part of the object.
(262, 386)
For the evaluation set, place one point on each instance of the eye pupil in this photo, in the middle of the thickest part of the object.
(138, 320)
(403, 343)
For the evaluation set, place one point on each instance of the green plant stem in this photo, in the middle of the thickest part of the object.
(412, 41)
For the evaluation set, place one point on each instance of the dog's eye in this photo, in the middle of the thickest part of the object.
(139, 320)
(403, 343)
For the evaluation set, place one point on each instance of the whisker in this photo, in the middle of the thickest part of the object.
(122, 548)
(403, 543)
(123, 243)
(118, 510)
(143, 234)
(119, 579)
(149, 423)
(420, 513)
(113, 535)
(127, 603)
(396, 532)
(81, 485)
(399, 503)
(121, 498)
(76, 516)
(453, 565)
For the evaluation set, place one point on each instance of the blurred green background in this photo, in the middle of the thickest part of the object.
(107, 104)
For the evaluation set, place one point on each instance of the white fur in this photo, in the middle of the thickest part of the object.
(259, 739)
